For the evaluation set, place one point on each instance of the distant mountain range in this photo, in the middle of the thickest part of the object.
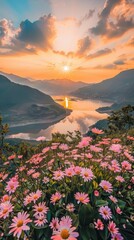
(51, 87)
(23, 104)
(119, 89)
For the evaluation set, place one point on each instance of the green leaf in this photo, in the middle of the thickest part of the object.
(100, 203)
(121, 204)
(85, 233)
(86, 215)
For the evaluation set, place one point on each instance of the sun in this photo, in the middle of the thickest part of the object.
(66, 68)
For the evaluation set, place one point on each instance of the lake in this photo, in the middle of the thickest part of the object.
(83, 115)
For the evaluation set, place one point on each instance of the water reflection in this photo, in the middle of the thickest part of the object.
(83, 115)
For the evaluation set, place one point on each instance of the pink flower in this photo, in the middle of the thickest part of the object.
(20, 224)
(6, 198)
(87, 174)
(99, 225)
(96, 193)
(93, 148)
(35, 175)
(5, 209)
(58, 175)
(126, 165)
(70, 207)
(12, 186)
(45, 180)
(65, 231)
(115, 148)
(105, 212)
(69, 172)
(40, 209)
(35, 195)
(97, 131)
(117, 237)
(115, 166)
(120, 179)
(112, 228)
(55, 197)
(107, 186)
(84, 143)
(118, 210)
(41, 138)
(12, 157)
(77, 170)
(27, 200)
(82, 197)
(113, 199)
(54, 223)
(63, 147)
(40, 220)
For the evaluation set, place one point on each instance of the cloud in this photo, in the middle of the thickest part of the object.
(107, 66)
(120, 62)
(40, 33)
(29, 37)
(84, 45)
(130, 43)
(121, 23)
(6, 32)
(100, 53)
(87, 16)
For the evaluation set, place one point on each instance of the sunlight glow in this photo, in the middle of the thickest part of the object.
(66, 68)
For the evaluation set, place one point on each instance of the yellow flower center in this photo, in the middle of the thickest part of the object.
(40, 209)
(65, 234)
(81, 199)
(105, 187)
(35, 196)
(86, 174)
(20, 223)
(105, 212)
(5, 210)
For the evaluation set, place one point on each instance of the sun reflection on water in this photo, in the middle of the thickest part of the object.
(66, 102)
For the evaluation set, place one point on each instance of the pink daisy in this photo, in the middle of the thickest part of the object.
(58, 175)
(40, 209)
(106, 185)
(54, 223)
(87, 174)
(70, 207)
(120, 179)
(117, 237)
(20, 224)
(97, 131)
(82, 197)
(99, 225)
(40, 220)
(5, 209)
(35, 195)
(65, 231)
(112, 228)
(55, 197)
(105, 212)
(12, 186)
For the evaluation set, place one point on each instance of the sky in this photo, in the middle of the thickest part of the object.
(83, 40)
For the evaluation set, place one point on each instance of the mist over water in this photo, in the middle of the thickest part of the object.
(83, 115)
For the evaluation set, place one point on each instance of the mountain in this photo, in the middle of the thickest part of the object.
(22, 104)
(117, 89)
(51, 87)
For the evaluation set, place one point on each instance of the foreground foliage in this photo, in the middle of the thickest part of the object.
(72, 188)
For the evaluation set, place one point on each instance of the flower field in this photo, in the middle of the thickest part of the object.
(78, 188)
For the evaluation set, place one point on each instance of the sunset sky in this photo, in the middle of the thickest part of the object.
(87, 40)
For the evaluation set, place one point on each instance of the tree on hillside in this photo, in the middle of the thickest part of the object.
(122, 119)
